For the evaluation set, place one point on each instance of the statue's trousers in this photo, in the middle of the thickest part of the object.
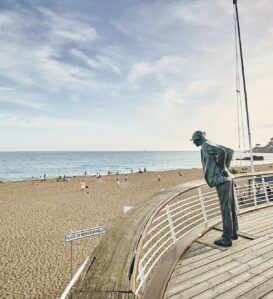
(226, 197)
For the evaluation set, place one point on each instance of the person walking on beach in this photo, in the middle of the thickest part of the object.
(82, 185)
(216, 161)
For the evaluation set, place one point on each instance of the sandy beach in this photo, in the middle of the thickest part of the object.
(35, 216)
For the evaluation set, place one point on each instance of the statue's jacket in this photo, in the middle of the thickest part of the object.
(215, 161)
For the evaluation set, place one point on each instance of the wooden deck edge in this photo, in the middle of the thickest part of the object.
(159, 280)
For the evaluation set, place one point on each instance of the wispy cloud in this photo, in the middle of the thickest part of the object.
(159, 69)
(49, 123)
(98, 63)
(24, 101)
(65, 29)
(7, 89)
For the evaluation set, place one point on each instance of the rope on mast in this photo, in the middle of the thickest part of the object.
(240, 127)
(244, 85)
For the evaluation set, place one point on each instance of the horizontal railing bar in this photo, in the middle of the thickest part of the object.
(156, 226)
(212, 199)
(155, 235)
(177, 232)
(164, 236)
(188, 206)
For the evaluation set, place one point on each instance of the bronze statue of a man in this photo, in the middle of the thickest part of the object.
(216, 162)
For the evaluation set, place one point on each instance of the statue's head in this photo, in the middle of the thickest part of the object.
(198, 137)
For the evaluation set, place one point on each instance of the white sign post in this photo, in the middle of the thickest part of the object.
(70, 237)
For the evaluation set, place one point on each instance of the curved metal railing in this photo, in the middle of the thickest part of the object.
(178, 216)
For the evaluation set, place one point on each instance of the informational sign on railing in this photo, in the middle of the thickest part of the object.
(80, 235)
(85, 233)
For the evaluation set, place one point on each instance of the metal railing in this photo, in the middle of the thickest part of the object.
(181, 214)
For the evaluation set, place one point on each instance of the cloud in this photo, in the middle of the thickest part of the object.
(7, 89)
(4, 20)
(99, 63)
(67, 29)
(75, 99)
(26, 100)
(49, 123)
(159, 69)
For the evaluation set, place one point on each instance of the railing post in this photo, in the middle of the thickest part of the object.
(254, 192)
(202, 205)
(142, 276)
(170, 223)
(236, 198)
(265, 190)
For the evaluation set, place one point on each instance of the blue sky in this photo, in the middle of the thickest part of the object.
(130, 74)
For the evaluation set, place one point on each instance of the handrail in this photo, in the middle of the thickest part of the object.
(191, 216)
(158, 232)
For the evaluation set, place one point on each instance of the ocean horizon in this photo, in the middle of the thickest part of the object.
(24, 165)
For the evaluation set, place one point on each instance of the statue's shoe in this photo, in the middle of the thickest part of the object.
(223, 242)
(233, 237)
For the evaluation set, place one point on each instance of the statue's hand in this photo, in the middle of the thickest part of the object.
(225, 173)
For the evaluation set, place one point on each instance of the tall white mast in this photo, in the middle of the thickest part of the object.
(244, 83)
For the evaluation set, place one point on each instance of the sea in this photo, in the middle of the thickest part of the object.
(27, 165)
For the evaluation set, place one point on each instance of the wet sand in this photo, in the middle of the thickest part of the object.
(35, 216)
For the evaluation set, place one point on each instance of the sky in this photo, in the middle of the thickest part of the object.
(132, 74)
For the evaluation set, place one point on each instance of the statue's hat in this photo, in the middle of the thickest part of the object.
(197, 134)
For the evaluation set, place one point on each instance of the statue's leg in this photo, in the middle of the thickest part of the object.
(235, 226)
(225, 195)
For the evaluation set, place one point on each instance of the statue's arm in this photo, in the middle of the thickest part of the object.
(219, 154)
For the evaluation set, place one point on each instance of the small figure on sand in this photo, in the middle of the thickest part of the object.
(126, 178)
(118, 182)
(158, 178)
(45, 177)
(82, 185)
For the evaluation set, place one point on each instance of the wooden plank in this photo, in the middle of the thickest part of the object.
(200, 249)
(201, 283)
(240, 284)
(250, 285)
(268, 296)
(262, 225)
(261, 291)
(204, 273)
(226, 255)
(251, 220)
(268, 232)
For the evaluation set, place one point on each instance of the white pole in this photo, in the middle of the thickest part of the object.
(71, 258)
(67, 289)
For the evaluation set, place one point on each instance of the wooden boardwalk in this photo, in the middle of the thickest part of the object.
(244, 270)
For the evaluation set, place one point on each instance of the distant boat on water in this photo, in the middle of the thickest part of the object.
(264, 149)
